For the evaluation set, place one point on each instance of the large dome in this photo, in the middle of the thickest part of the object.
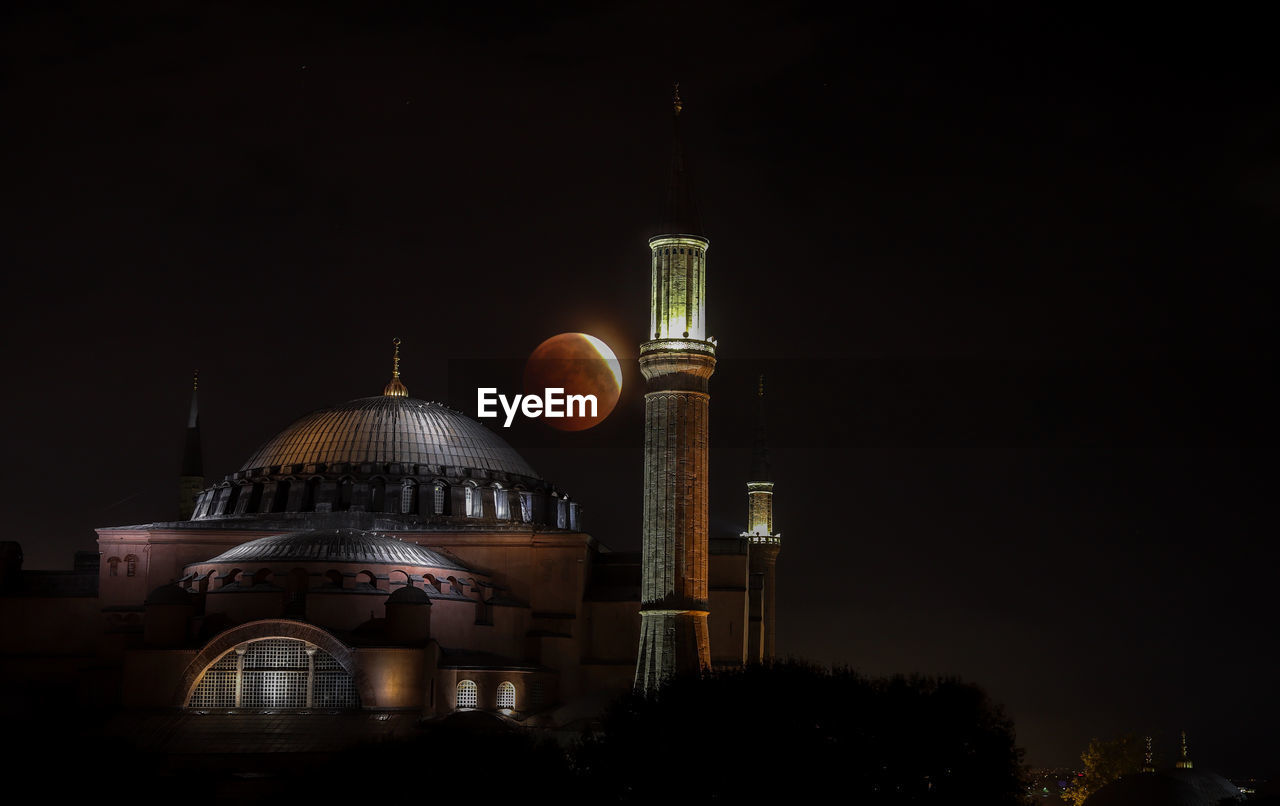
(390, 428)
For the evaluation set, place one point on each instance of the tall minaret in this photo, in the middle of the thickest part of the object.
(765, 543)
(1184, 763)
(676, 364)
(191, 482)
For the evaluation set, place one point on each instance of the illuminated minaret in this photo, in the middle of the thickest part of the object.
(677, 363)
(1148, 764)
(191, 482)
(765, 543)
(1184, 763)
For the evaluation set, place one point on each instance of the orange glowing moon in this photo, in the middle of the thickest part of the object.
(581, 365)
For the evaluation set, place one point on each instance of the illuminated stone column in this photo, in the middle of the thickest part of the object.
(677, 363)
(673, 637)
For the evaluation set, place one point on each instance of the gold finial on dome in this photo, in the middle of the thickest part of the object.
(395, 388)
(676, 103)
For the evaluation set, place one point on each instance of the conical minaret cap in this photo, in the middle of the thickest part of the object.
(680, 216)
(760, 451)
(192, 455)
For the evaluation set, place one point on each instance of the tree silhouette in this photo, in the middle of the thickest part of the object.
(784, 730)
(1104, 761)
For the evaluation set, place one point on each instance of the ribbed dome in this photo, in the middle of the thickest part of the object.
(334, 545)
(390, 428)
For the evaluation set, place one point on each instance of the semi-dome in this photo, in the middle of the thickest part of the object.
(334, 545)
(390, 428)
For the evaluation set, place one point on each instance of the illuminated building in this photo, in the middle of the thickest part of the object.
(391, 553)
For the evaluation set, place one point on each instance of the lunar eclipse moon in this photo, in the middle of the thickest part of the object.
(581, 365)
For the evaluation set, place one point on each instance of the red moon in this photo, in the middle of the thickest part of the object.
(581, 365)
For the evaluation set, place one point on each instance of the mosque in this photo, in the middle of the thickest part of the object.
(393, 554)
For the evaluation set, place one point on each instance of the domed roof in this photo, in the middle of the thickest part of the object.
(390, 428)
(1177, 787)
(334, 545)
(409, 595)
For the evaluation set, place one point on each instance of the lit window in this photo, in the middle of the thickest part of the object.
(500, 502)
(474, 506)
(468, 694)
(506, 695)
(526, 507)
(275, 673)
(439, 499)
(406, 496)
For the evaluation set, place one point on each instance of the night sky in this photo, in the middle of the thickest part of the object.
(1008, 277)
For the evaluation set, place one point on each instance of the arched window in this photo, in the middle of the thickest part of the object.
(506, 694)
(468, 694)
(407, 490)
(474, 506)
(114, 565)
(526, 507)
(500, 502)
(437, 494)
(131, 565)
(275, 673)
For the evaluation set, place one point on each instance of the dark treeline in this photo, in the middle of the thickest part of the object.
(784, 731)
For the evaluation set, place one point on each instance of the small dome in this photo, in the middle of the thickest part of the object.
(1177, 787)
(390, 428)
(169, 594)
(409, 595)
(334, 545)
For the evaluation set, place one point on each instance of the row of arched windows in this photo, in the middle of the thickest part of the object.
(130, 566)
(298, 495)
(468, 695)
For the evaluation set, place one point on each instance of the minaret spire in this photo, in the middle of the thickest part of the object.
(1148, 766)
(677, 363)
(191, 480)
(680, 216)
(394, 387)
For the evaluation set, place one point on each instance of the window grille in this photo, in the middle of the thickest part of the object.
(275, 673)
(468, 694)
(506, 695)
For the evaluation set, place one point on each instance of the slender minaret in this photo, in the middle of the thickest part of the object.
(1148, 764)
(1184, 763)
(765, 543)
(191, 482)
(677, 363)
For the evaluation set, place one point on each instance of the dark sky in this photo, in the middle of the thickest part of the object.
(1008, 273)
